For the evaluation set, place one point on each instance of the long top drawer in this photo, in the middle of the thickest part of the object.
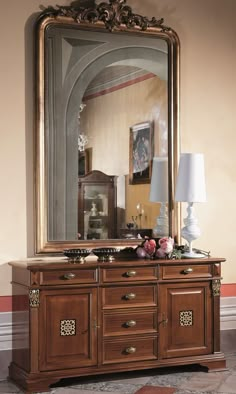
(129, 274)
(69, 276)
(186, 271)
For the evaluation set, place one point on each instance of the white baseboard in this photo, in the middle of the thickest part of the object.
(228, 313)
(10, 325)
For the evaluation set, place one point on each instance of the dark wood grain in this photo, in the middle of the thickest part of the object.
(154, 318)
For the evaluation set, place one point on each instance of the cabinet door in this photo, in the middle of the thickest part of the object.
(185, 321)
(67, 328)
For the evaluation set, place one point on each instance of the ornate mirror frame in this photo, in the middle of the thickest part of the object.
(111, 17)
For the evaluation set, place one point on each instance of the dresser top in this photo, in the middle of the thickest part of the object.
(63, 262)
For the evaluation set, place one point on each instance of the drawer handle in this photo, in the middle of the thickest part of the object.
(131, 273)
(130, 296)
(188, 271)
(130, 350)
(130, 323)
(70, 275)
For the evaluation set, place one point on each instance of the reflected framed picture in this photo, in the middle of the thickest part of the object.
(85, 162)
(141, 153)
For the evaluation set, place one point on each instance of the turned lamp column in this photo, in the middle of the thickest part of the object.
(159, 193)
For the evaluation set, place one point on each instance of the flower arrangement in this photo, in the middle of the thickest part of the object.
(164, 248)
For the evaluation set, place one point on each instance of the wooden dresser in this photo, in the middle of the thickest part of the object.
(94, 318)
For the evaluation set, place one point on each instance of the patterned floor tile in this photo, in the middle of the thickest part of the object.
(69, 390)
(204, 382)
(123, 388)
(229, 385)
(88, 386)
(170, 380)
(194, 392)
(8, 387)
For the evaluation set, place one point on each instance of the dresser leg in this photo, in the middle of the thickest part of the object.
(30, 383)
(215, 365)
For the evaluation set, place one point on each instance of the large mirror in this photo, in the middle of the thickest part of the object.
(107, 104)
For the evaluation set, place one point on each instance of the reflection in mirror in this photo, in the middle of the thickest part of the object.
(118, 97)
(97, 208)
(159, 194)
(107, 109)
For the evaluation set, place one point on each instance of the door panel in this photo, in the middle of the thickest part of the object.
(186, 319)
(67, 334)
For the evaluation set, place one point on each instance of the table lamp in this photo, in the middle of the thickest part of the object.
(191, 188)
(159, 193)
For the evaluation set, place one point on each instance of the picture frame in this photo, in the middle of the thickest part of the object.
(85, 162)
(141, 148)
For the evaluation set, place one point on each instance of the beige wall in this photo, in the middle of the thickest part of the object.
(208, 96)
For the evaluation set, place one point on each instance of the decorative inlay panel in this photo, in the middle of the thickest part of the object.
(68, 327)
(186, 318)
(34, 298)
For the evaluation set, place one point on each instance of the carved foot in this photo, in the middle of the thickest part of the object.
(30, 383)
(215, 365)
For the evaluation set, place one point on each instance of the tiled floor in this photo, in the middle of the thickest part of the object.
(185, 380)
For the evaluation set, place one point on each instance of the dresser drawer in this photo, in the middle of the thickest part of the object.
(130, 322)
(186, 271)
(68, 277)
(132, 349)
(129, 296)
(124, 274)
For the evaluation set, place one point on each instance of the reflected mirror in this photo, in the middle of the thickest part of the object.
(107, 103)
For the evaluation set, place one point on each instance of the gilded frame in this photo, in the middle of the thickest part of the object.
(113, 16)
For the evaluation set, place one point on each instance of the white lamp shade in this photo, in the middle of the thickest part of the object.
(159, 180)
(191, 185)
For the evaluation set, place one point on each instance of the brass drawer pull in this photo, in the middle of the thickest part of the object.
(130, 296)
(131, 273)
(130, 323)
(188, 271)
(130, 350)
(70, 275)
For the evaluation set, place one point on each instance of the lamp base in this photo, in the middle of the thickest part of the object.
(190, 232)
(192, 255)
(162, 227)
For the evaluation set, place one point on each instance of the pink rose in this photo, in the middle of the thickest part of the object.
(166, 244)
(160, 253)
(150, 246)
